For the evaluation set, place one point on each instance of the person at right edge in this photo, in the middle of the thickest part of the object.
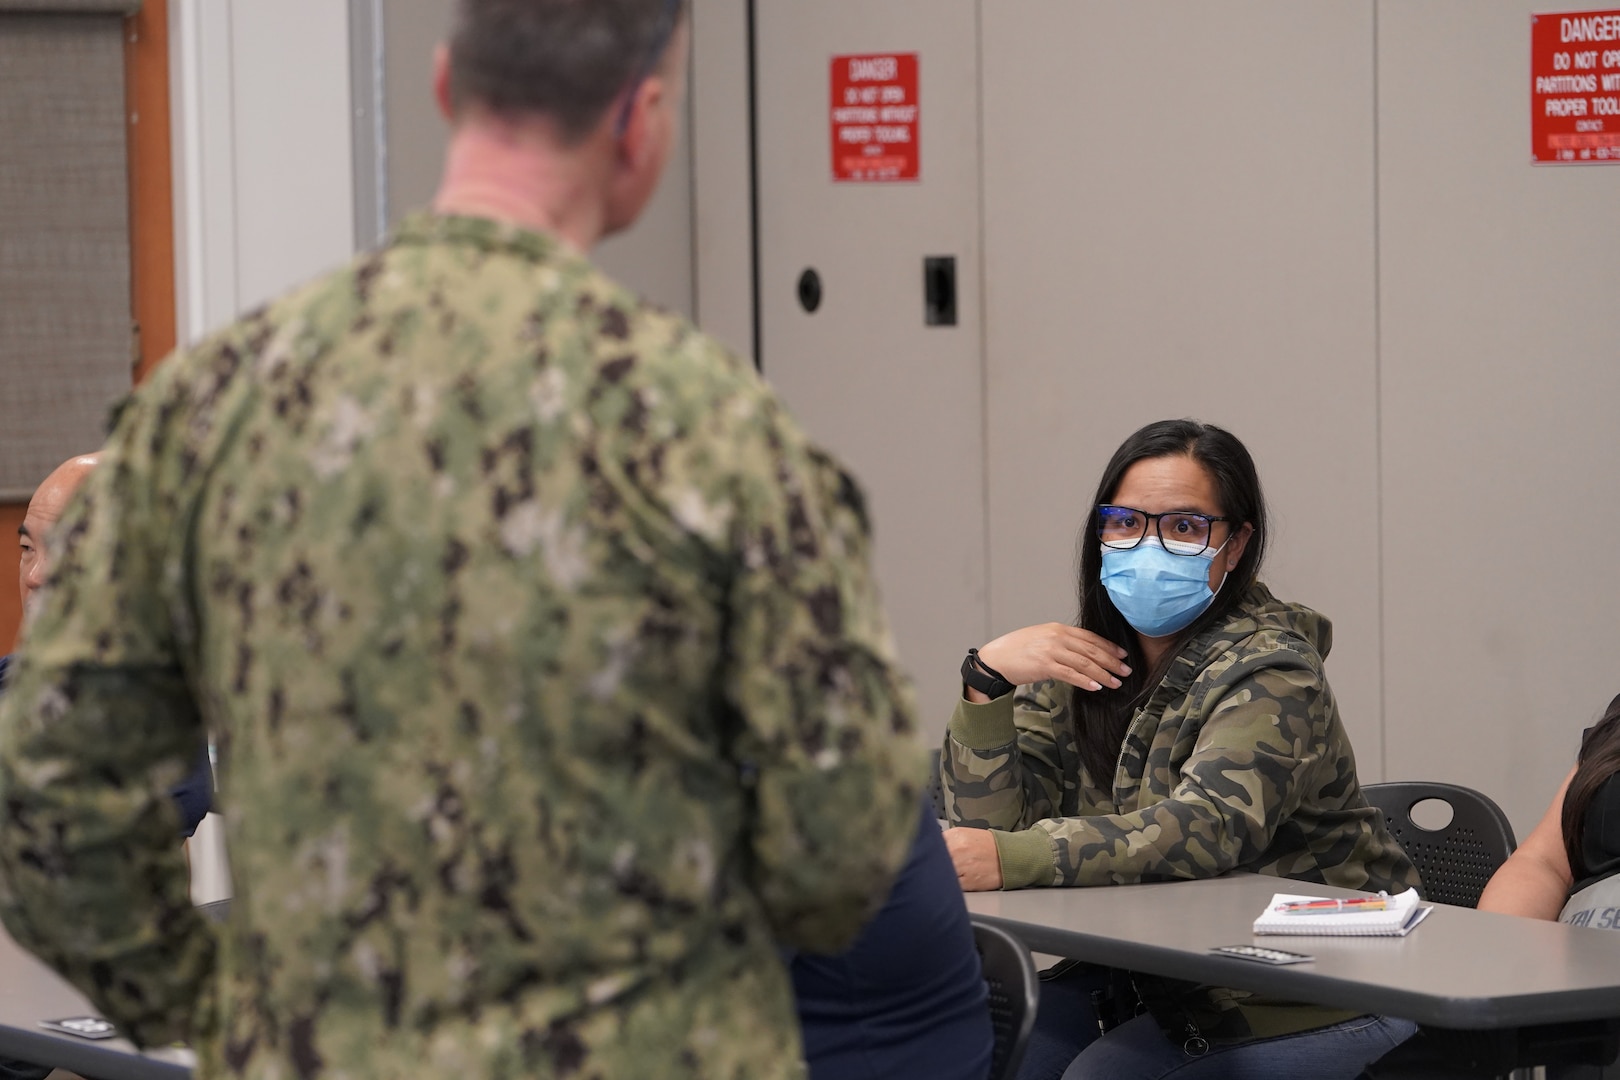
(1183, 730)
(1568, 868)
(549, 681)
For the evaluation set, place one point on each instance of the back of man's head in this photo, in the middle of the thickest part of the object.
(568, 60)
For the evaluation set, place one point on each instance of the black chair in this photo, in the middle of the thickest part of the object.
(1456, 861)
(935, 787)
(1015, 991)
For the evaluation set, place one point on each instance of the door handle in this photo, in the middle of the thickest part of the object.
(939, 290)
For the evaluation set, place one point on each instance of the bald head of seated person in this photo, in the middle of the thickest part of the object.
(1568, 868)
(44, 510)
(193, 796)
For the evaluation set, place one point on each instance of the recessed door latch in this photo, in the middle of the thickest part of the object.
(939, 290)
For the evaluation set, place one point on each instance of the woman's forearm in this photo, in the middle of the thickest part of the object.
(1527, 886)
(1535, 880)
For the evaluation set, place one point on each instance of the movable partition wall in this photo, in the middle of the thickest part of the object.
(1317, 225)
(66, 335)
(871, 359)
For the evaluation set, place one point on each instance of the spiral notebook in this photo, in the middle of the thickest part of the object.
(1398, 919)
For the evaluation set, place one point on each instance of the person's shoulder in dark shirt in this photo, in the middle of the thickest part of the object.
(908, 998)
(195, 794)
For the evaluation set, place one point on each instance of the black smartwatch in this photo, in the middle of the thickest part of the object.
(984, 678)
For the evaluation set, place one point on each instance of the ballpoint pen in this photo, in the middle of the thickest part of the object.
(1330, 907)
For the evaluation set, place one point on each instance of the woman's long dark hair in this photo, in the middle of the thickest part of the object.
(1101, 716)
(1600, 760)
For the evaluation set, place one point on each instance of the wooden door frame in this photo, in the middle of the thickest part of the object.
(151, 183)
(151, 231)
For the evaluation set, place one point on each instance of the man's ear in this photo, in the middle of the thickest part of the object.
(441, 82)
(642, 114)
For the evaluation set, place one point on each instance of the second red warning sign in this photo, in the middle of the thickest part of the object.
(1575, 87)
(875, 121)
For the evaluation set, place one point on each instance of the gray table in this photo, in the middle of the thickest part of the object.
(1521, 988)
(31, 992)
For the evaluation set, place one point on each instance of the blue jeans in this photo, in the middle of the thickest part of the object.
(1139, 1049)
(1065, 1022)
(1065, 1044)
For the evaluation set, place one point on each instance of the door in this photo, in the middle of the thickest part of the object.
(891, 384)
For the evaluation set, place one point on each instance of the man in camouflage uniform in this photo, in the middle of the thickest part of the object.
(549, 681)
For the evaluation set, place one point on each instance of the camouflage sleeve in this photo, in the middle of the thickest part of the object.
(1001, 768)
(826, 720)
(95, 729)
(1261, 743)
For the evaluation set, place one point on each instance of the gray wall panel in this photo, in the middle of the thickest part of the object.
(1179, 221)
(1499, 395)
(900, 403)
(412, 29)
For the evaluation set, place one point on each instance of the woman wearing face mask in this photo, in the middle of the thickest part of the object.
(1183, 730)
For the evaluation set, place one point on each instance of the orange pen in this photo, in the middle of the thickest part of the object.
(1330, 907)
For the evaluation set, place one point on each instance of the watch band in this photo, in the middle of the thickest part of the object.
(984, 678)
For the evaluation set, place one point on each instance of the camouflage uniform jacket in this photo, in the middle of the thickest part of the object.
(544, 661)
(1238, 761)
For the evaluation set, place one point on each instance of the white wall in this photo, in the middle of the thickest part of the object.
(263, 175)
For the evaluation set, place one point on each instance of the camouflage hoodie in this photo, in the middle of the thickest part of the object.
(1237, 761)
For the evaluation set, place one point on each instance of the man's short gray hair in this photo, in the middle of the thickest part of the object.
(564, 59)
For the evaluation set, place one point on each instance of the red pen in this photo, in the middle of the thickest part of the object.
(1330, 907)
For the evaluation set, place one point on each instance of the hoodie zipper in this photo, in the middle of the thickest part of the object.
(1119, 762)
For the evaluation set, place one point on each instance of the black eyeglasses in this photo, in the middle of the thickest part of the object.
(662, 36)
(1122, 528)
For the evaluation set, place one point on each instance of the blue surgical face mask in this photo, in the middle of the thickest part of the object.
(1158, 593)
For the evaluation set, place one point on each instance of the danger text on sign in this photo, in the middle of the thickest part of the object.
(1575, 87)
(876, 118)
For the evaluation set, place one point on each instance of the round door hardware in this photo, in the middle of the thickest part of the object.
(810, 290)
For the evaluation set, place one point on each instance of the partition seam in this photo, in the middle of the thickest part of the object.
(236, 228)
(753, 186)
(984, 324)
(1378, 410)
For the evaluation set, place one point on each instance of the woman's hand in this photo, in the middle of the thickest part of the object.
(978, 867)
(1055, 651)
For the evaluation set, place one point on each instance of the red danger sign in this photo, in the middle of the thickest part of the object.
(1575, 87)
(875, 118)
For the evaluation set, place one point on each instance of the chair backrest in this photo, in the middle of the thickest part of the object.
(1015, 992)
(934, 785)
(1456, 861)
